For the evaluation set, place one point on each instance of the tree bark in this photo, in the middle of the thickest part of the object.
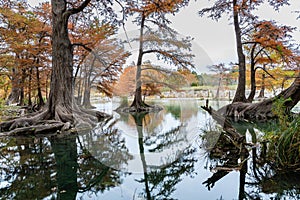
(87, 98)
(22, 85)
(88, 85)
(79, 88)
(253, 84)
(240, 91)
(252, 75)
(262, 111)
(14, 95)
(39, 90)
(29, 87)
(138, 102)
(262, 90)
(61, 87)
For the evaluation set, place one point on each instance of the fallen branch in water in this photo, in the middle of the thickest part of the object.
(235, 136)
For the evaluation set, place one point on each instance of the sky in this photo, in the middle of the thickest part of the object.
(214, 42)
(217, 39)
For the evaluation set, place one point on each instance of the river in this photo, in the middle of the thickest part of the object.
(164, 155)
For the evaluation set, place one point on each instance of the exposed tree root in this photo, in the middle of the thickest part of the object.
(63, 119)
(262, 111)
(139, 106)
(47, 127)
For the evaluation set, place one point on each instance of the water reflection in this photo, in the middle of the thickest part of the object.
(145, 156)
(60, 167)
(226, 157)
(160, 181)
(258, 177)
(23, 162)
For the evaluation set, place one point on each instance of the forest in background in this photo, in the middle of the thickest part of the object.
(53, 55)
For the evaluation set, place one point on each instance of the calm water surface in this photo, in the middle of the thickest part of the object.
(148, 156)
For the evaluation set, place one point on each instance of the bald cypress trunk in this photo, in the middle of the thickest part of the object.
(14, 96)
(61, 88)
(138, 102)
(240, 91)
(61, 106)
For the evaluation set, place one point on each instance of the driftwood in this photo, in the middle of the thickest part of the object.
(235, 136)
(230, 154)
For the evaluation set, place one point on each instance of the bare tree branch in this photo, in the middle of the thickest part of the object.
(78, 9)
(93, 52)
(173, 58)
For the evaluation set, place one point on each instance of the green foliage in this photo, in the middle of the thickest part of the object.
(195, 84)
(279, 110)
(288, 145)
(2, 103)
(284, 138)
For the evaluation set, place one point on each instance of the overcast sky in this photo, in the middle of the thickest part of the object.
(214, 42)
(217, 39)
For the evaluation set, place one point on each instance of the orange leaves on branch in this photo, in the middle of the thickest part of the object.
(150, 7)
(165, 6)
(126, 84)
(273, 43)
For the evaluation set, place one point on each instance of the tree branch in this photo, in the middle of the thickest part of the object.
(79, 8)
(173, 58)
(271, 60)
(90, 50)
(251, 42)
(265, 71)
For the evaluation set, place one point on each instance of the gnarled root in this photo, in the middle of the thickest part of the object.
(63, 119)
(46, 128)
(261, 111)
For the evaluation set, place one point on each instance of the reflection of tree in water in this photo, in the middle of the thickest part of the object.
(26, 168)
(65, 152)
(226, 157)
(261, 178)
(58, 168)
(182, 110)
(106, 144)
(175, 110)
(265, 176)
(103, 148)
(160, 181)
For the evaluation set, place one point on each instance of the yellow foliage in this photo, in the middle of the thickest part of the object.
(282, 78)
